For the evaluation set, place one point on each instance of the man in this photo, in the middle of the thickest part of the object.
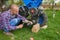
(6, 18)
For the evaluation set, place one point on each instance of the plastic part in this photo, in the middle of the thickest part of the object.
(32, 3)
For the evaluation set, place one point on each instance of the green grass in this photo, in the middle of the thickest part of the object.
(51, 33)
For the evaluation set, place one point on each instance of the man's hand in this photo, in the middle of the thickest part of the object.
(30, 22)
(20, 26)
(26, 21)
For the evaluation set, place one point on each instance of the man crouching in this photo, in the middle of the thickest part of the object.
(9, 20)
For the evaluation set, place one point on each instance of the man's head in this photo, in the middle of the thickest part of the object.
(14, 9)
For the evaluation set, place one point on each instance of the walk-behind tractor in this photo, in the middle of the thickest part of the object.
(33, 12)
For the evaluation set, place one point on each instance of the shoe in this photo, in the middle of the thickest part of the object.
(8, 33)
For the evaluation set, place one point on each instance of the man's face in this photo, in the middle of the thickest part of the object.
(15, 10)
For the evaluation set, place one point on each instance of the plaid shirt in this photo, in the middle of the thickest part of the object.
(5, 18)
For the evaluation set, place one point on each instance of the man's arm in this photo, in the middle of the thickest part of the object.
(23, 19)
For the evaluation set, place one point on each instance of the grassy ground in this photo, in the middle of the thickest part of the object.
(51, 33)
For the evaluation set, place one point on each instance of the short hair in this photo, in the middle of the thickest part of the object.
(10, 7)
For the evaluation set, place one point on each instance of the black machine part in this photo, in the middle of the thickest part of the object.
(45, 18)
(33, 11)
(35, 14)
(23, 11)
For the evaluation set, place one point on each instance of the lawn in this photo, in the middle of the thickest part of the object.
(51, 33)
